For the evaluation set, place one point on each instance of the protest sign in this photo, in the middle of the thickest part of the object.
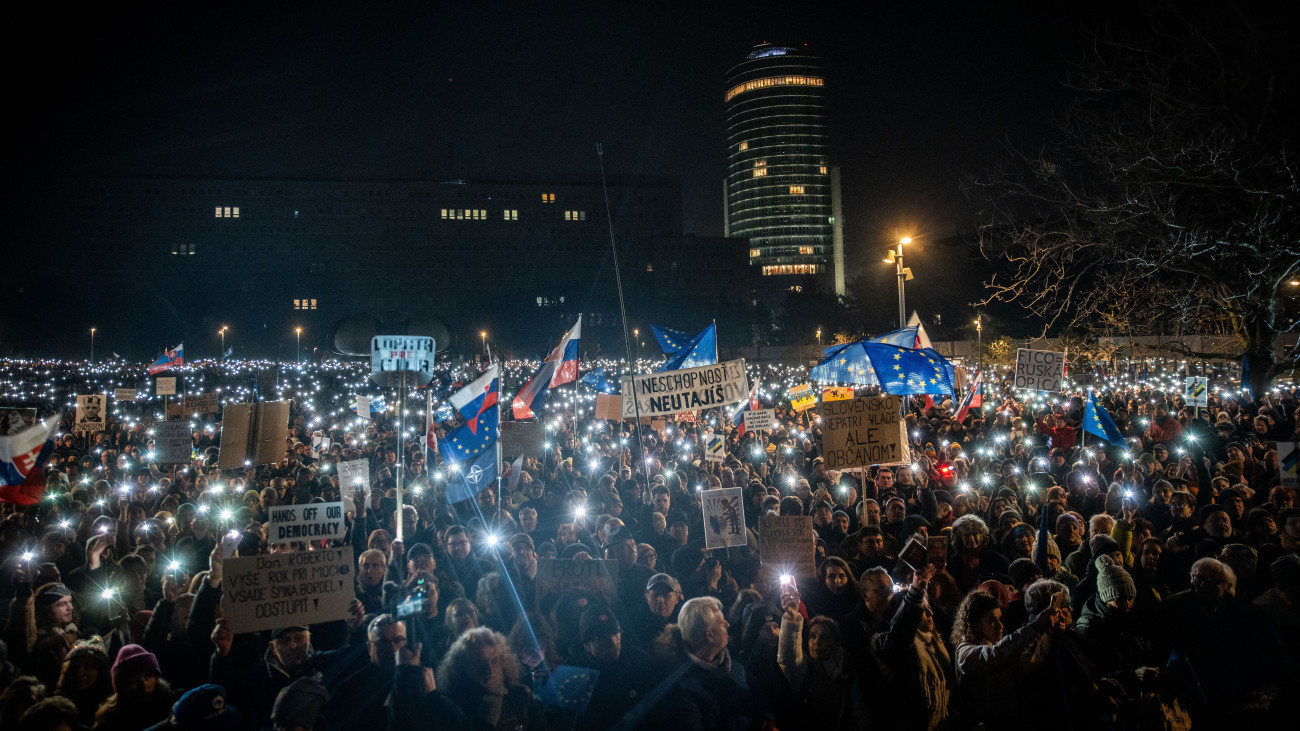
(354, 475)
(90, 414)
(714, 448)
(394, 355)
(1196, 391)
(1288, 463)
(756, 419)
(523, 437)
(837, 393)
(786, 545)
(609, 406)
(199, 403)
(802, 397)
(13, 421)
(253, 434)
(165, 386)
(862, 432)
(309, 522)
(686, 417)
(724, 517)
(124, 394)
(320, 444)
(173, 442)
(286, 589)
(555, 575)
(688, 389)
(363, 407)
(1039, 370)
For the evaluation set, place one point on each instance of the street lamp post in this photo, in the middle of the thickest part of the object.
(979, 335)
(636, 335)
(896, 258)
(819, 339)
(92, 345)
(222, 333)
(298, 357)
(482, 334)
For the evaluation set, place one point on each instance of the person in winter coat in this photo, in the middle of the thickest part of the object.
(974, 560)
(918, 669)
(826, 683)
(481, 675)
(141, 698)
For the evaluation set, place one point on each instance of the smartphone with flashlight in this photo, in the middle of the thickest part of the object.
(230, 543)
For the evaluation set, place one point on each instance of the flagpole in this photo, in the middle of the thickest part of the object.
(622, 307)
(401, 450)
(428, 425)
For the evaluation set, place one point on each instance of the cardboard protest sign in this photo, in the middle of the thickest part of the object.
(523, 437)
(253, 434)
(198, 403)
(363, 407)
(1288, 463)
(13, 420)
(837, 393)
(724, 517)
(756, 419)
(90, 414)
(173, 442)
(687, 389)
(609, 406)
(715, 448)
(802, 397)
(286, 589)
(555, 575)
(309, 522)
(354, 475)
(786, 545)
(165, 386)
(862, 432)
(1196, 391)
(1039, 370)
(124, 394)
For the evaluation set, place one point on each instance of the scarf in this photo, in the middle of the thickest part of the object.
(934, 682)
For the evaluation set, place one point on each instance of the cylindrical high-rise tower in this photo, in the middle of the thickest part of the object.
(781, 190)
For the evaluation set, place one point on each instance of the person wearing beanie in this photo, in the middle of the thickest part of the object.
(203, 708)
(1119, 643)
(622, 668)
(86, 679)
(141, 697)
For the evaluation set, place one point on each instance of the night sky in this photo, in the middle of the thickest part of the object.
(920, 93)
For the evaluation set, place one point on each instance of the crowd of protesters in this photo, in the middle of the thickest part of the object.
(1151, 584)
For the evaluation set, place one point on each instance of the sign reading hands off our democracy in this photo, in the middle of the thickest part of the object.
(863, 431)
(309, 522)
(286, 589)
(688, 389)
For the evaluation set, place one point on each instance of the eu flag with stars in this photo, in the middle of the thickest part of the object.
(1098, 423)
(903, 337)
(701, 350)
(845, 364)
(670, 340)
(903, 371)
(569, 688)
(478, 405)
(597, 380)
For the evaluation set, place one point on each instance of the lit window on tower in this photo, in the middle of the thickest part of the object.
(510, 214)
(807, 250)
(227, 212)
(744, 146)
(575, 215)
(796, 190)
(822, 170)
(548, 197)
(754, 252)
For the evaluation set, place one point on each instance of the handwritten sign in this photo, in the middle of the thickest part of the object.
(688, 389)
(786, 545)
(286, 589)
(555, 575)
(756, 419)
(199, 403)
(1039, 370)
(392, 355)
(173, 442)
(310, 522)
(724, 517)
(864, 431)
(124, 394)
(165, 386)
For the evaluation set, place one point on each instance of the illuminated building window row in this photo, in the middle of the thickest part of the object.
(464, 214)
(510, 214)
(755, 252)
(227, 212)
(796, 190)
(548, 197)
(575, 215)
(304, 304)
(773, 81)
(779, 269)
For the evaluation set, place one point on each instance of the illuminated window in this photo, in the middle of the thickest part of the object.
(754, 252)
(773, 81)
(822, 170)
(548, 197)
(182, 248)
(575, 215)
(649, 267)
(510, 214)
(779, 269)
(805, 249)
(445, 215)
(796, 190)
(304, 304)
(227, 212)
(744, 146)
(760, 172)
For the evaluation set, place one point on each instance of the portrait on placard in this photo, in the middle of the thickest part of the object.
(90, 413)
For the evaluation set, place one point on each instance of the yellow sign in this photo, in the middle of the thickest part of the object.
(802, 397)
(837, 393)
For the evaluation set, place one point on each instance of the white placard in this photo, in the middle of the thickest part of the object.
(124, 394)
(1039, 370)
(165, 386)
(392, 355)
(688, 389)
(1288, 463)
(363, 407)
(354, 475)
(287, 589)
(1196, 391)
(310, 522)
(90, 413)
(715, 448)
(724, 517)
(173, 442)
(756, 419)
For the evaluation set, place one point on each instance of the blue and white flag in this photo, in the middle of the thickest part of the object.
(701, 350)
(670, 340)
(466, 479)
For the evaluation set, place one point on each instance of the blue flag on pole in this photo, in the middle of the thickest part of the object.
(597, 380)
(845, 364)
(569, 688)
(902, 371)
(701, 350)
(904, 337)
(670, 340)
(466, 479)
(1098, 423)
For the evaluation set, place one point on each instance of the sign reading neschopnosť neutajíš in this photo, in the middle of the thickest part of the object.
(393, 355)
(688, 389)
(1039, 370)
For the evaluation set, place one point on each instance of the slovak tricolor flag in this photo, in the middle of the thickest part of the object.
(477, 402)
(173, 358)
(974, 398)
(751, 404)
(22, 462)
(559, 368)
